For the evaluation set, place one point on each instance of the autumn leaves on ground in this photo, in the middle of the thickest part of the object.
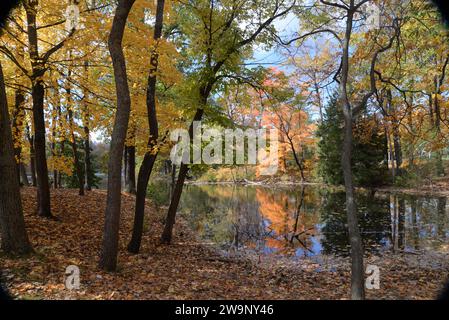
(186, 269)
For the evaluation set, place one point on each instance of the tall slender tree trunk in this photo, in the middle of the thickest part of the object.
(298, 161)
(357, 269)
(38, 70)
(172, 180)
(12, 224)
(43, 186)
(108, 259)
(396, 151)
(61, 144)
(150, 156)
(23, 174)
(439, 154)
(86, 126)
(87, 159)
(177, 191)
(53, 149)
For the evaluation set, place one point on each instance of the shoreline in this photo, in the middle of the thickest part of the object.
(425, 190)
(187, 269)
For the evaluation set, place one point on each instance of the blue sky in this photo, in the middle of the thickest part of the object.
(286, 27)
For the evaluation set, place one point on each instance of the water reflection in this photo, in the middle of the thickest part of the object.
(309, 221)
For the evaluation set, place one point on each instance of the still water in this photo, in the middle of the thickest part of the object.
(311, 221)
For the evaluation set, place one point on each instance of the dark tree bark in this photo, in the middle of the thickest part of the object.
(12, 224)
(43, 187)
(299, 162)
(30, 138)
(61, 144)
(349, 113)
(177, 191)
(357, 269)
(150, 156)
(108, 259)
(438, 83)
(87, 161)
(53, 150)
(38, 70)
(86, 124)
(23, 174)
(173, 180)
(130, 169)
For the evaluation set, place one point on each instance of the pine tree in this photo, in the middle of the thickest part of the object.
(369, 149)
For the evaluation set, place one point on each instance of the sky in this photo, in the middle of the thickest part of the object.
(286, 27)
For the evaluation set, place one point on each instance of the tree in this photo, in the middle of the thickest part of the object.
(108, 259)
(12, 224)
(152, 151)
(39, 68)
(369, 145)
(285, 111)
(223, 43)
(351, 110)
(86, 128)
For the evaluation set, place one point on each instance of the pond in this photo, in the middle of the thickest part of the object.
(311, 221)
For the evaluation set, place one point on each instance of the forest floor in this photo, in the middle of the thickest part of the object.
(187, 269)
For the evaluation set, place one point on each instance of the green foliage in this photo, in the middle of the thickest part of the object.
(159, 193)
(369, 154)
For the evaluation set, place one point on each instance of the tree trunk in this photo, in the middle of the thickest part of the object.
(58, 175)
(297, 160)
(43, 187)
(12, 224)
(53, 148)
(32, 156)
(176, 196)
(108, 259)
(151, 155)
(397, 150)
(130, 169)
(439, 153)
(172, 180)
(86, 122)
(87, 161)
(38, 70)
(23, 174)
(357, 272)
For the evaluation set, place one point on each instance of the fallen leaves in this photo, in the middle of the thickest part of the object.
(187, 269)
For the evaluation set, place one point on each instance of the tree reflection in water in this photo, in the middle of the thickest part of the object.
(307, 221)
